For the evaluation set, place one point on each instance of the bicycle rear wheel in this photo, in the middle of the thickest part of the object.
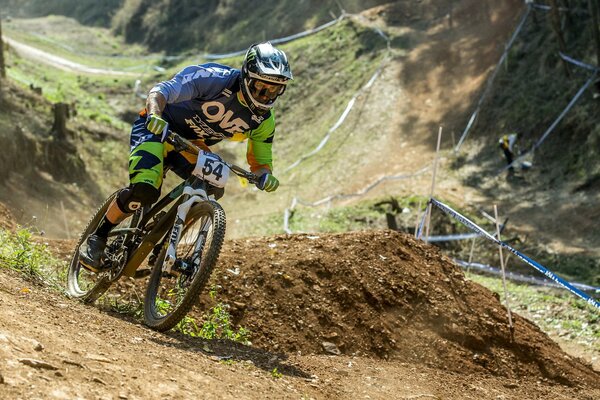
(86, 285)
(170, 296)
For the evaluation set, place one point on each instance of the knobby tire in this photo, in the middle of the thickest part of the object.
(102, 285)
(152, 318)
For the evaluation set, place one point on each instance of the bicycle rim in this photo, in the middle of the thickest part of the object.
(87, 285)
(170, 296)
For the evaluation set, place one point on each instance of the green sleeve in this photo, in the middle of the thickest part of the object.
(260, 142)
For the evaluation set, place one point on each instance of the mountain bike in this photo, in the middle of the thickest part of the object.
(183, 233)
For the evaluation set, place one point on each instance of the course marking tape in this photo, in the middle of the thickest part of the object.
(547, 273)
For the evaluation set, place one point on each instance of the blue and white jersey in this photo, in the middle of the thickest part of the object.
(203, 103)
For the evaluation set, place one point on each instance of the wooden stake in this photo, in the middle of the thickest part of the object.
(435, 165)
(510, 323)
(418, 219)
(471, 253)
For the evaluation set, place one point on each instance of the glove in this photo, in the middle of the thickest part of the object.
(267, 182)
(157, 125)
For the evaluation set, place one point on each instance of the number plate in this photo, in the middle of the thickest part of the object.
(210, 168)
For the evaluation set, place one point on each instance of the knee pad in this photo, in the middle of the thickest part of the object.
(137, 195)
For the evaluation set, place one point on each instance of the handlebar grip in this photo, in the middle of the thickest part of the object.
(245, 174)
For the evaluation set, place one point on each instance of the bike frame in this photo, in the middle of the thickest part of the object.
(187, 194)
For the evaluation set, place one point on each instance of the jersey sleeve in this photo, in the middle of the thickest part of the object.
(196, 81)
(260, 142)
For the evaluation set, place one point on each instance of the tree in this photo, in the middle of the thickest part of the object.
(594, 13)
(555, 19)
(2, 67)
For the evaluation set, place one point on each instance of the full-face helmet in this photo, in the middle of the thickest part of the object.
(264, 76)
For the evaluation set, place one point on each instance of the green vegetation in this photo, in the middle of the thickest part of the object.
(532, 89)
(19, 252)
(217, 325)
(98, 14)
(216, 321)
(276, 374)
(556, 311)
(90, 96)
(93, 47)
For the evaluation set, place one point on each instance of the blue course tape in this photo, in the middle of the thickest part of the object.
(449, 238)
(547, 273)
(577, 62)
(523, 278)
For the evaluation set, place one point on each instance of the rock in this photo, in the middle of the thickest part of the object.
(98, 358)
(1, 379)
(75, 363)
(331, 348)
(37, 364)
(98, 380)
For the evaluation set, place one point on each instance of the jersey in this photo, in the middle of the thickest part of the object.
(204, 102)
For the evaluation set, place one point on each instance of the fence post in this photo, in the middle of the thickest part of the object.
(510, 323)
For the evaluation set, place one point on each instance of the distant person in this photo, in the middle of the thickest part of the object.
(204, 103)
(507, 144)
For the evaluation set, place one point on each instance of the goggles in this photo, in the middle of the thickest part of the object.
(265, 92)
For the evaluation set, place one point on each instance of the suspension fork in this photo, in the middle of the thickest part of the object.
(191, 196)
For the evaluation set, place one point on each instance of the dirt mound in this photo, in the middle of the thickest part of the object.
(383, 294)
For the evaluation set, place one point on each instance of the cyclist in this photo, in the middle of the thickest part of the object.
(204, 103)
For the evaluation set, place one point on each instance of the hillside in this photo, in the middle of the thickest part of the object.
(48, 177)
(439, 58)
(172, 27)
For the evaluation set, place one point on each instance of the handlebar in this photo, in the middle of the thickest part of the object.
(180, 143)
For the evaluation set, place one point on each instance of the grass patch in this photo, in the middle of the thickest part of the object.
(215, 323)
(556, 311)
(19, 252)
(90, 96)
(90, 46)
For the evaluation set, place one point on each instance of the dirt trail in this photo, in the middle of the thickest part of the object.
(59, 62)
(401, 322)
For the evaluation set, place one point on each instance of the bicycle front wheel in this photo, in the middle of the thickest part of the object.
(171, 295)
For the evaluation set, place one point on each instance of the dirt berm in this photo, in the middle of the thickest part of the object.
(382, 294)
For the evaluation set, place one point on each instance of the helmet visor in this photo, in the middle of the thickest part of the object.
(265, 92)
